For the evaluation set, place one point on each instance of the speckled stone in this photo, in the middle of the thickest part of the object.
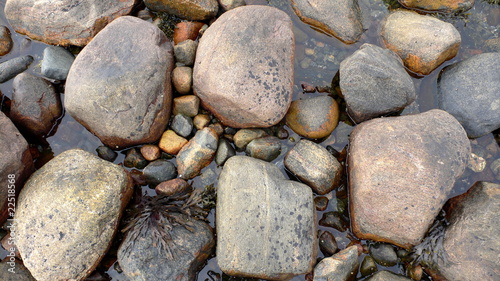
(313, 118)
(197, 153)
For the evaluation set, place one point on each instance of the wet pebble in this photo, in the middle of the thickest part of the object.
(185, 52)
(172, 187)
(56, 62)
(150, 152)
(200, 121)
(197, 153)
(134, 159)
(282, 133)
(9, 69)
(224, 151)
(171, 142)
(341, 266)
(334, 220)
(138, 177)
(266, 148)
(182, 79)
(368, 266)
(444, 6)
(383, 254)
(159, 171)
(495, 168)
(327, 243)
(185, 30)
(245, 136)
(476, 163)
(321, 203)
(182, 125)
(186, 105)
(5, 41)
(188, 10)
(219, 129)
(106, 153)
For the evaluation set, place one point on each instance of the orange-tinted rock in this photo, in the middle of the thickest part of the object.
(185, 9)
(200, 121)
(172, 187)
(182, 79)
(5, 41)
(186, 30)
(186, 105)
(197, 154)
(150, 152)
(171, 142)
(445, 6)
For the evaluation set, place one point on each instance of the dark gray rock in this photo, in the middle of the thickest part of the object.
(244, 136)
(401, 169)
(224, 151)
(185, 52)
(182, 125)
(35, 104)
(106, 153)
(265, 148)
(64, 22)
(368, 266)
(9, 69)
(335, 220)
(387, 276)
(134, 159)
(374, 82)
(119, 85)
(274, 235)
(197, 153)
(314, 165)
(471, 240)
(384, 254)
(64, 235)
(470, 91)
(327, 243)
(56, 62)
(186, 9)
(17, 272)
(339, 267)
(158, 171)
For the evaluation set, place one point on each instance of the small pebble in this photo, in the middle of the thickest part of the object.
(307, 88)
(219, 129)
(224, 151)
(415, 272)
(182, 125)
(186, 105)
(327, 243)
(265, 148)
(231, 4)
(200, 121)
(56, 62)
(334, 220)
(5, 41)
(134, 159)
(321, 203)
(383, 254)
(245, 136)
(368, 266)
(185, 52)
(150, 152)
(171, 143)
(159, 171)
(476, 163)
(145, 15)
(182, 79)
(9, 69)
(172, 187)
(186, 30)
(106, 153)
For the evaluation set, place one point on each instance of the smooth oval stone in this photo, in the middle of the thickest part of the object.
(9, 69)
(150, 152)
(171, 142)
(106, 153)
(241, 76)
(445, 6)
(5, 41)
(159, 171)
(134, 159)
(64, 22)
(383, 254)
(186, 9)
(313, 118)
(182, 78)
(327, 243)
(368, 266)
(244, 136)
(197, 153)
(224, 151)
(172, 187)
(266, 148)
(56, 62)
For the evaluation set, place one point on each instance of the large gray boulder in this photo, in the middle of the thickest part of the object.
(243, 71)
(64, 22)
(67, 214)
(374, 82)
(470, 91)
(401, 169)
(119, 85)
(265, 224)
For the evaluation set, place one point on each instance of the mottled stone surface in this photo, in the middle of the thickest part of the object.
(339, 267)
(243, 71)
(64, 235)
(387, 276)
(470, 91)
(340, 18)
(185, 9)
(119, 85)
(266, 148)
(64, 22)
(197, 153)
(471, 240)
(186, 105)
(171, 142)
(20, 273)
(9, 69)
(374, 82)
(446, 6)
(422, 42)
(5, 41)
(244, 136)
(401, 169)
(265, 223)
(56, 62)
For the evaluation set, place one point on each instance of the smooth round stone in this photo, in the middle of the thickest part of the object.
(159, 171)
(150, 152)
(266, 148)
(9, 69)
(186, 105)
(185, 9)
(182, 125)
(134, 159)
(5, 41)
(171, 142)
(185, 52)
(224, 151)
(106, 153)
(313, 118)
(172, 187)
(185, 30)
(182, 78)
(444, 6)
(200, 121)
(244, 136)
(334, 220)
(368, 266)
(56, 62)
(384, 254)
(327, 243)
(321, 203)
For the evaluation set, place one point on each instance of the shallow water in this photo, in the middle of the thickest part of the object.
(317, 60)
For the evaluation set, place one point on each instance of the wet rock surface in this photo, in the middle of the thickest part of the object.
(182, 125)
(470, 91)
(446, 6)
(123, 103)
(314, 166)
(430, 42)
(313, 118)
(9, 69)
(186, 105)
(340, 18)
(20, 273)
(56, 62)
(224, 151)
(387, 276)
(185, 9)
(243, 71)
(471, 240)
(266, 148)
(274, 236)
(339, 267)
(35, 104)
(384, 254)
(400, 171)
(374, 82)
(52, 246)
(171, 142)
(5, 41)
(159, 171)
(197, 153)
(64, 22)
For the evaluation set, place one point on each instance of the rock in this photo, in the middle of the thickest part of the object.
(314, 166)
(231, 4)
(313, 118)
(106, 153)
(35, 104)
(182, 125)
(492, 45)
(265, 148)
(470, 91)
(125, 103)
(444, 6)
(182, 78)
(171, 143)
(401, 169)
(335, 220)
(145, 262)
(159, 171)
(430, 42)
(374, 82)
(274, 236)
(327, 243)
(134, 159)
(16, 163)
(387, 276)
(56, 62)
(244, 136)
(368, 266)
(186, 30)
(172, 187)
(185, 9)
(340, 18)
(185, 52)
(197, 153)
(495, 168)
(52, 245)
(471, 240)
(64, 22)
(321, 203)
(224, 151)
(5, 41)
(200, 121)
(186, 105)
(9, 69)
(241, 76)
(21, 273)
(383, 254)
(476, 164)
(339, 267)
(150, 152)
